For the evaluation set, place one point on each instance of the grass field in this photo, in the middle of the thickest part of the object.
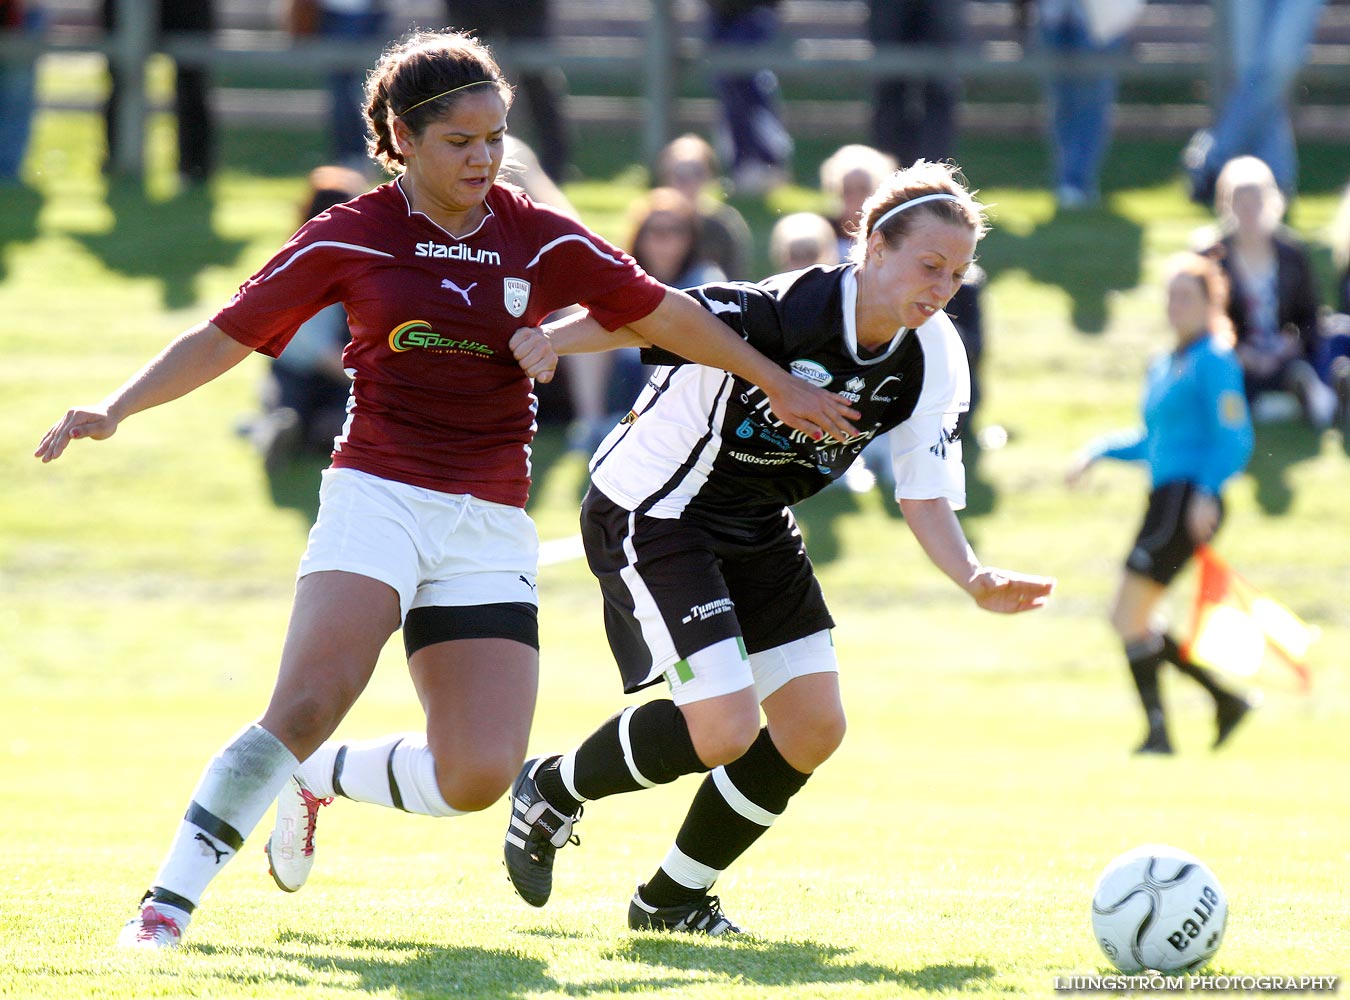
(951, 845)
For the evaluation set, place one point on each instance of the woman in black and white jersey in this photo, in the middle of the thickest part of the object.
(706, 582)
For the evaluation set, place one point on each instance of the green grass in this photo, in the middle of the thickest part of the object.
(950, 846)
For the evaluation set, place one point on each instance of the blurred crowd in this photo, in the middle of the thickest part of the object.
(1293, 337)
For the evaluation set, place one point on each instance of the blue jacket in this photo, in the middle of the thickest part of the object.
(1196, 425)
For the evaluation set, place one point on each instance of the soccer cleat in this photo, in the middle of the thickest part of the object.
(533, 837)
(1229, 710)
(156, 926)
(700, 916)
(290, 849)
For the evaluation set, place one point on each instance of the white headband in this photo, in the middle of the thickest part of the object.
(939, 196)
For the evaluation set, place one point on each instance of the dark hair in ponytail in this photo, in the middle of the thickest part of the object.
(419, 78)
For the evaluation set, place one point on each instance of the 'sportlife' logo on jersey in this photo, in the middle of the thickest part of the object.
(457, 251)
(418, 333)
(517, 295)
(815, 373)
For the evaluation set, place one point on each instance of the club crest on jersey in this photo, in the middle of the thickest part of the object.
(517, 293)
(813, 372)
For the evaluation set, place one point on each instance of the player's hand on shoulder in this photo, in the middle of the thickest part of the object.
(535, 353)
(92, 422)
(1007, 592)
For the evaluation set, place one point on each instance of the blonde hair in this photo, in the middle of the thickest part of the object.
(923, 178)
(855, 156)
(1340, 233)
(1247, 172)
(802, 239)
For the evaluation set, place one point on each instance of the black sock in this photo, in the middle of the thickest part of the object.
(1205, 678)
(660, 746)
(717, 831)
(1145, 657)
(554, 789)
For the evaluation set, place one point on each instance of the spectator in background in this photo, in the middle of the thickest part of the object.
(307, 389)
(1274, 302)
(192, 108)
(665, 245)
(545, 91)
(1195, 436)
(342, 20)
(759, 147)
(18, 90)
(689, 165)
(915, 119)
(847, 177)
(1335, 366)
(1081, 106)
(1268, 42)
(802, 239)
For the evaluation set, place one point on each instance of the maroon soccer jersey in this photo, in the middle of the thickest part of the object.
(438, 400)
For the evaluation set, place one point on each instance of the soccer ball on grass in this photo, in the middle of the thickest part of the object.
(1158, 907)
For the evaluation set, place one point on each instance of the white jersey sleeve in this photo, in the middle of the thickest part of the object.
(926, 448)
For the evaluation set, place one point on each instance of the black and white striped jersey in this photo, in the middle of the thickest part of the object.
(702, 441)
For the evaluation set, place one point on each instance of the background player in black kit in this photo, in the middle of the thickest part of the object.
(704, 575)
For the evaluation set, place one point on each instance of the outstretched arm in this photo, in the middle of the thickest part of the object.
(683, 327)
(939, 533)
(191, 360)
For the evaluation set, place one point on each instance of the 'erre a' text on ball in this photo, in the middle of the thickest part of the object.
(1158, 907)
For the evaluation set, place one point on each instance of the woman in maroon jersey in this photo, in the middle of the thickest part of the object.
(421, 521)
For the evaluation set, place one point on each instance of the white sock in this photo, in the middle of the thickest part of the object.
(239, 785)
(316, 771)
(396, 771)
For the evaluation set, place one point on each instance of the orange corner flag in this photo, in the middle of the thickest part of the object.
(1234, 625)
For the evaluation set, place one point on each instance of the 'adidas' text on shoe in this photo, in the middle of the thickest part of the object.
(533, 836)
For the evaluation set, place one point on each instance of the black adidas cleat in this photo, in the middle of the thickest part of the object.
(700, 916)
(533, 837)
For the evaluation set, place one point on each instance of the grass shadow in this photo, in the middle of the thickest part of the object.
(788, 963)
(1278, 447)
(1088, 253)
(171, 241)
(295, 486)
(817, 517)
(409, 969)
(20, 206)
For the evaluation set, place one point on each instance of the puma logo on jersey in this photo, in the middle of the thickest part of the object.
(449, 285)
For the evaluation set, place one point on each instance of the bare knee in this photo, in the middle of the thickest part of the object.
(724, 736)
(475, 784)
(813, 741)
